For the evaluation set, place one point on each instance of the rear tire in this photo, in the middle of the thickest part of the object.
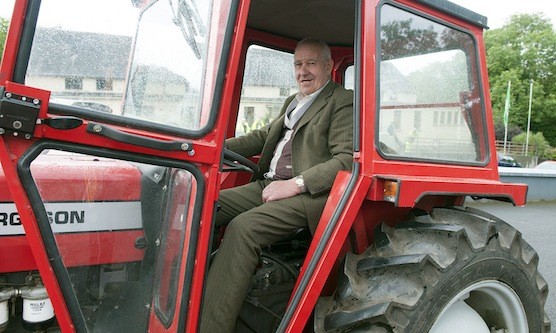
(418, 270)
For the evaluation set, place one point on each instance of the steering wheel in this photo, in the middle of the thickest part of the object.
(235, 162)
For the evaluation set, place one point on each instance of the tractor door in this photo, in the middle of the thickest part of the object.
(111, 144)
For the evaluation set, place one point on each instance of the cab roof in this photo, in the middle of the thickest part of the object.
(330, 20)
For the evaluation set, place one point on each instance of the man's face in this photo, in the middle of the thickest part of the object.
(311, 71)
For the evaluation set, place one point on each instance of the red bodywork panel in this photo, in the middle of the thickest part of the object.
(75, 181)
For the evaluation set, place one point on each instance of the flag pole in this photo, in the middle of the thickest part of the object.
(529, 117)
(506, 115)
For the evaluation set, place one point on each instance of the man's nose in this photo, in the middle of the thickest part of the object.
(303, 69)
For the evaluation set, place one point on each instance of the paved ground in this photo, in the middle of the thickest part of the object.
(537, 223)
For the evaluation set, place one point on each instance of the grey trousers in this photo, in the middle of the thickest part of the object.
(252, 225)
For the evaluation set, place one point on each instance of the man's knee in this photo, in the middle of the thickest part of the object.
(241, 228)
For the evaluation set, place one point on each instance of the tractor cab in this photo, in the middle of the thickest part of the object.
(113, 116)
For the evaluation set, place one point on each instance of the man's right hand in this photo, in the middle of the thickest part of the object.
(280, 189)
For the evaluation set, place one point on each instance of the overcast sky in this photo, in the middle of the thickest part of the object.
(497, 11)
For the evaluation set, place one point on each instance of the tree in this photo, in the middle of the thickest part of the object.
(537, 143)
(3, 33)
(402, 38)
(521, 51)
(500, 131)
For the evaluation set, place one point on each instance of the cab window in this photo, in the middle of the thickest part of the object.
(430, 105)
(141, 64)
(349, 77)
(268, 80)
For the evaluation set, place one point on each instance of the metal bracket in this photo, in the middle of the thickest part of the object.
(18, 113)
(134, 139)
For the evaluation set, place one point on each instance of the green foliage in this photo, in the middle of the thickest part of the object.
(3, 32)
(401, 37)
(549, 156)
(521, 51)
(500, 130)
(537, 143)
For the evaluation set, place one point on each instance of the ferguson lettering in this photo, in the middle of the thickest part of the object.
(9, 219)
(65, 217)
(59, 217)
(70, 217)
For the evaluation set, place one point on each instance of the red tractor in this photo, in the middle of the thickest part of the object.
(113, 116)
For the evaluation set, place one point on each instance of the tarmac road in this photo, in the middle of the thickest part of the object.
(537, 223)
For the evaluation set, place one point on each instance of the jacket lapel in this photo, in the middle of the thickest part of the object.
(274, 135)
(317, 105)
(275, 132)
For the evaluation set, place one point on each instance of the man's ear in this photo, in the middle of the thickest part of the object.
(330, 65)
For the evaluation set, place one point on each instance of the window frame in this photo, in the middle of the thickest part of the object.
(479, 137)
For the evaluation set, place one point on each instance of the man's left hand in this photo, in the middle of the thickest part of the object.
(280, 189)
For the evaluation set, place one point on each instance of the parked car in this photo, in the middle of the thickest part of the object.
(507, 161)
(547, 165)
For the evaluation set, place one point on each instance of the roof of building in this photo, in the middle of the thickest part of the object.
(269, 68)
(79, 54)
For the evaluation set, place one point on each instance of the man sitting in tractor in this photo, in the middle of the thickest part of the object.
(300, 154)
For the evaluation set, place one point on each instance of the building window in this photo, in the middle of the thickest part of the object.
(442, 117)
(284, 91)
(104, 84)
(249, 114)
(397, 119)
(74, 83)
(449, 116)
(417, 119)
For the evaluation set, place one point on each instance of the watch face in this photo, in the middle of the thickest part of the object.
(299, 181)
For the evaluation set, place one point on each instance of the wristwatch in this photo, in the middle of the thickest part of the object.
(300, 183)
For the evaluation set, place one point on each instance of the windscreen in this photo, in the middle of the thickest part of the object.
(153, 63)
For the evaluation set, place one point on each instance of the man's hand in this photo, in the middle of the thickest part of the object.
(280, 189)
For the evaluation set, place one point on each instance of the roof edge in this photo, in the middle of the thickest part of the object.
(458, 11)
